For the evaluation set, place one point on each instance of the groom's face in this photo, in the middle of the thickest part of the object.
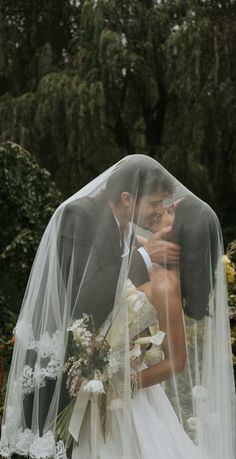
(148, 208)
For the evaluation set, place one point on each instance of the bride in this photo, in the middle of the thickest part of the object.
(147, 372)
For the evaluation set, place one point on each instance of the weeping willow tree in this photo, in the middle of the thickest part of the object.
(103, 79)
(34, 37)
(199, 138)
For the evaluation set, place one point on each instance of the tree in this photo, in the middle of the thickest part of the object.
(151, 77)
(35, 38)
(199, 138)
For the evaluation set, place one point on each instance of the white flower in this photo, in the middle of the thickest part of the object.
(77, 334)
(80, 332)
(135, 352)
(80, 323)
(94, 386)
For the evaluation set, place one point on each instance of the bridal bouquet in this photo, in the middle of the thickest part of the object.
(93, 363)
(86, 368)
(90, 357)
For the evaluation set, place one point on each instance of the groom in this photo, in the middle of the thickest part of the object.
(94, 235)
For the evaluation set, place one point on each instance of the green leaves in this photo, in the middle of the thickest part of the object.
(103, 79)
(27, 199)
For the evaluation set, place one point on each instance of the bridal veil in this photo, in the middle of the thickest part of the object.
(83, 265)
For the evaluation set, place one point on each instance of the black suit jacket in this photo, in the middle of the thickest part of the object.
(90, 238)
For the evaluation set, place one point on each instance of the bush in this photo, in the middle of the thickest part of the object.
(230, 263)
(28, 198)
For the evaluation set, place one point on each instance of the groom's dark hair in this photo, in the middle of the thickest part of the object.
(140, 176)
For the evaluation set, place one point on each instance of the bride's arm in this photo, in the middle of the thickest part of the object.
(164, 293)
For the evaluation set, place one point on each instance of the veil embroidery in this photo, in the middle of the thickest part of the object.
(81, 268)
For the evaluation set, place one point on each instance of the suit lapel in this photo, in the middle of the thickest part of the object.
(112, 233)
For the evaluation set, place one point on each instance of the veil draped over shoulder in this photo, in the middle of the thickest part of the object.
(85, 329)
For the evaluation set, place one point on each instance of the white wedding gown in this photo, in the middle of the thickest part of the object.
(155, 431)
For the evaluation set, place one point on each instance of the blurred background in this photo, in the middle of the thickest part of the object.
(83, 84)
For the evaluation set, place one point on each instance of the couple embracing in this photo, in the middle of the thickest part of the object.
(138, 256)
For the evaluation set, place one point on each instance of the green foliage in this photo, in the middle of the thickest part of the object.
(231, 273)
(231, 278)
(89, 82)
(16, 114)
(200, 75)
(7, 322)
(34, 40)
(27, 199)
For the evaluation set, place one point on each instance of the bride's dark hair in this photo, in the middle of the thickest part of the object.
(139, 175)
(196, 230)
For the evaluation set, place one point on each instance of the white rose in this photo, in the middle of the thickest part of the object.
(94, 386)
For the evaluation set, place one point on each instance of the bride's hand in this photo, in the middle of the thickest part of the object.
(160, 250)
(165, 219)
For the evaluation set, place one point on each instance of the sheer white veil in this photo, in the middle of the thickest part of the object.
(82, 266)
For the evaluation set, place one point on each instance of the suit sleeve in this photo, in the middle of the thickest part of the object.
(83, 251)
(74, 244)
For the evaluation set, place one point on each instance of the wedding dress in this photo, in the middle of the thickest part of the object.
(155, 428)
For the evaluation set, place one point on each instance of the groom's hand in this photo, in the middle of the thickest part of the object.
(160, 250)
